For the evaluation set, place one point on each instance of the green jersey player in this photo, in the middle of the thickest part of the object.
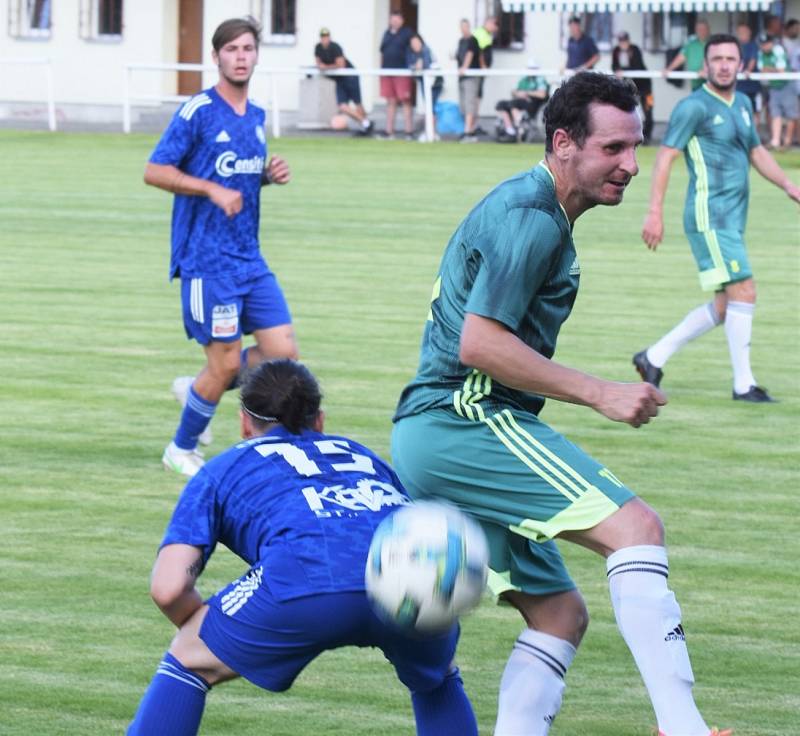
(716, 130)
(467, 428)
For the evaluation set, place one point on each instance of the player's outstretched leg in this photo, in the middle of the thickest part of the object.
(446, 710)
(650, 362)
(173, 702)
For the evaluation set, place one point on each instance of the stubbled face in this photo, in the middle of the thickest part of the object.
(237, 59)
(722, 63)
(604, 166)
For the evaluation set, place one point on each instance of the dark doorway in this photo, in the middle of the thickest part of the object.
(409, 9)
(190, 44)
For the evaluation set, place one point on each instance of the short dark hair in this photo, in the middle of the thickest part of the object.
(283, 391)
(568, 108)
(233, 28)
(717, 38)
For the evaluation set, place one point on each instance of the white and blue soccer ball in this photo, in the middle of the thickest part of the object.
(427, 565)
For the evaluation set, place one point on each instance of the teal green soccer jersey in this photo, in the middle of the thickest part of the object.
(512, 260)
(716, 137)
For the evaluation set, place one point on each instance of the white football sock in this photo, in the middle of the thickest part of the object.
(532, 684)
(738, 329)
(699, 321)
(650, 621)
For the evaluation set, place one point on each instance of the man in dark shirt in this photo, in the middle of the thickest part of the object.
(627, 56)
(747, 86)
(582, 51)
(329, 56)
(394, 46)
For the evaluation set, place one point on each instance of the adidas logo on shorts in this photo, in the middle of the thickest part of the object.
(676, 634)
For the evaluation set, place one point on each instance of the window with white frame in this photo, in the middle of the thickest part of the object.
(101, 20)
(29, 18)
(600, 26)
(279, 18)
(664, 30)
(510, 28)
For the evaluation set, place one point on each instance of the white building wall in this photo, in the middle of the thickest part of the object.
(90, 71)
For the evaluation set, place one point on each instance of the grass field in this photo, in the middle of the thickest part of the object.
(92, 337)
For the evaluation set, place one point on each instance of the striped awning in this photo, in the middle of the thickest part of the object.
(634, 6)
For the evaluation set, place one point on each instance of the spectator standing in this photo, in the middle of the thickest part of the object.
(329, 56)
(791, 43)
(626, 57)
(582, 51)
(783, 104)
(747, 86)
(478, 56)
(529, 96)
(419, 58)
(692, 54)
(394, 46)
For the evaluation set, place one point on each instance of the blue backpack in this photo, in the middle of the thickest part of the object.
(449, 120)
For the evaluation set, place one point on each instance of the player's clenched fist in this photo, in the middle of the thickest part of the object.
(633, 403)
(278, 171)
(228, 200)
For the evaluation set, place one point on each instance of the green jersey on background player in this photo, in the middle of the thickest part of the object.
(715, 129)
(467, 428)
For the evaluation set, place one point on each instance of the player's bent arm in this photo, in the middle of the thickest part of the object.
(491, 348)
(653, 230)
(172, 583)
(766, 165)
(172, 179)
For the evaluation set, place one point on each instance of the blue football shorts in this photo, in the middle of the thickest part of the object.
(269, 641)
(228, 307)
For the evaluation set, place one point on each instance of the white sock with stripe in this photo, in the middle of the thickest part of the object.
(738, 329)
(699, 321)
(650, 621)
(532, 684)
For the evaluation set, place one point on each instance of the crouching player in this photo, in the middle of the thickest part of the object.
(300, 508)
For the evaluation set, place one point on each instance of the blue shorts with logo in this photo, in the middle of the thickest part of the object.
(269, 641)
(225, 308)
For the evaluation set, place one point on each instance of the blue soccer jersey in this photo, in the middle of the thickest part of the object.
(209, 140)
(304, 507)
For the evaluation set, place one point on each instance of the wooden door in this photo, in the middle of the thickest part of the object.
(190, 44)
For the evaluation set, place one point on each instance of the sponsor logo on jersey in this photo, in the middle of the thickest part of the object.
(223, 137)
(224, 320)
(338, 500)
(260, 133)
(746, 116)
(676, 634)
(718, 120)
(575, 268)
(228, 165)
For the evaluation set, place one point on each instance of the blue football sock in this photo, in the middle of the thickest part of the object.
(195, 418)
(172, 704)
(445, 711)
(237, 380)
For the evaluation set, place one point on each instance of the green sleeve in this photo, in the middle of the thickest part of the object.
(514, 262)
(686, 119)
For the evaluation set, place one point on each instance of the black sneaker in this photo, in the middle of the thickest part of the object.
(756, 395)
(648, 372)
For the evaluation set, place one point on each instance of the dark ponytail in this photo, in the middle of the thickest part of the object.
(283, 391)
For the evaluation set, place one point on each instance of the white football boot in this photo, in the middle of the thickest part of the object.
(185, 462)
(180, 390)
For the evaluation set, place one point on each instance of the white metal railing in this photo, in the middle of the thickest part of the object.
(428, 77)
(48, 71)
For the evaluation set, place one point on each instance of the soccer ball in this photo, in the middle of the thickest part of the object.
(427, 566)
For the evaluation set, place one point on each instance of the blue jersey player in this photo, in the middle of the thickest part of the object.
(716, 129)
(299, 507)
(213, 158)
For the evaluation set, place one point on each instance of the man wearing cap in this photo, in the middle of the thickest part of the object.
(582, 51)
(626, 57)
(692, 54)
(329, 56)
(783, 104)
(531, 93)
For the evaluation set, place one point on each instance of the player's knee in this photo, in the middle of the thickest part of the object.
(651, 528)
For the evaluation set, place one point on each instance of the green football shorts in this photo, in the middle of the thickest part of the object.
(721, 258)
(524, 482)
